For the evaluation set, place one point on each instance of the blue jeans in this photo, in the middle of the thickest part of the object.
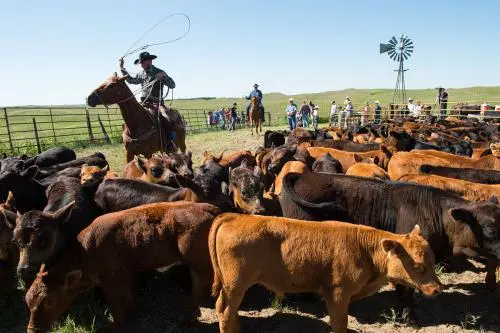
(292, 121)
(305, 120)
(233, 124)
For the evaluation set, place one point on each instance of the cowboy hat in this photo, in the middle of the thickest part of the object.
(255, 85)
(144, 56)
(290, 100)
(377, 102)
(410, 99)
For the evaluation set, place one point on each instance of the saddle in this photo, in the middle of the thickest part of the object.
(170, 118)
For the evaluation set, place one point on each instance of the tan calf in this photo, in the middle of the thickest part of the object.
(94, 174)
(291, 166)
(232, 159)
(342, 262)
(367, 170)
(467, 190)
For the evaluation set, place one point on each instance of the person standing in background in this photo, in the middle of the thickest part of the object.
(410, 106)
(442, 100)
(378, 112)
(291, 113)
(365, 113)
(333, 114)
(315, 115)
(234, 116)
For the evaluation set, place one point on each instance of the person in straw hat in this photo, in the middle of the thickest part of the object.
(291, 113)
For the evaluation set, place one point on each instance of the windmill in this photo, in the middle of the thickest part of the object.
(399, 51)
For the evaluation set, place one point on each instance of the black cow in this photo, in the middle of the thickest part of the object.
(97, 159)
(117, 194)
(52, 157)
(405, 142)
(42, 234)
(273, 139)
(346, 145)
(29, 193)
(482, 176)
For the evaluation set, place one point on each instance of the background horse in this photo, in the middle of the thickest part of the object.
(255, 115)
(141, 132)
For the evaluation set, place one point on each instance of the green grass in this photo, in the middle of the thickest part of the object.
(70, 125)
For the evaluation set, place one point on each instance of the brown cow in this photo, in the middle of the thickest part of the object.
(116, 245)
(367, 170)
(233, 159)
(340, 261)
(291, 166)
(467, 190)
(93, 175)
(153, 170)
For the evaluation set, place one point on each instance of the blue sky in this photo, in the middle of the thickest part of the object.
(56, 52)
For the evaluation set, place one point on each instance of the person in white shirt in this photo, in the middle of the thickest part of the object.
(418, 110)
(315, 116)
(333, 114)
(411, 106)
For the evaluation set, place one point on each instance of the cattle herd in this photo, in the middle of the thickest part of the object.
(336, 212)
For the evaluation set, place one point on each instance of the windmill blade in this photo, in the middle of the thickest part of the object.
(408, 42)
(393, 55)
(393, 41)
(391, 52)
(385, 48)
(409, 47)
(405, 56)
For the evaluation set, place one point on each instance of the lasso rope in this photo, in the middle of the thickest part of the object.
(131, 50)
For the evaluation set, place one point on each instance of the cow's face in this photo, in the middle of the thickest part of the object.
(247, 188)
(37, 235)
(49, 297)
(495, 149)
(180, 163)
(411, 262)
(155, 170)
(279, 156)
(483, 218)
(91, 175)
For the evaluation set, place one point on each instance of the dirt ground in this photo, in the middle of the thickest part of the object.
(466, 306)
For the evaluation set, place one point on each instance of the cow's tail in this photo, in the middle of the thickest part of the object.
(288, 184)
(212, 244)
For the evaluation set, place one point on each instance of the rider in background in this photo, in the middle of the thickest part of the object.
(255, 93)
(150, 95)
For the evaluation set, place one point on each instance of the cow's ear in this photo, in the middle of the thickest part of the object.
(357, 158)
(225, 188)
(31, 172)
(391, 246)
(244, 163)
(257, 172)
(19, 166)
(416, 230)
(11, 201)
(376, 160)
(493, 199)
(140, 163)
(462, 215)
(386, 151)
(62, 215)
(9, 217)
(30, 161)
(72, 279)
(105, 169)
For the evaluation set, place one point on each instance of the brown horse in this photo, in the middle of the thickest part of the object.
(141, 132)
(255, 115)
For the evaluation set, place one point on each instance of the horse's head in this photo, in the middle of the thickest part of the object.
(111, 91)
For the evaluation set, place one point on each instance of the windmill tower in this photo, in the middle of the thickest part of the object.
(399, 51)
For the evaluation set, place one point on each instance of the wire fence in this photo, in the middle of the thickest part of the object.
(31, 130)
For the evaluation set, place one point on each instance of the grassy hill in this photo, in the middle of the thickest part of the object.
(276, 102)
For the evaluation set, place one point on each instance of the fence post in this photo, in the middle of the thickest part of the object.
(109, 122)
(8, 130)
(52, 123)
(103, 129)
(205, 119)
(36, 137)
(89, 126)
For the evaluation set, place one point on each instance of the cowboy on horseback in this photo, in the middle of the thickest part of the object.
(257, 94)
(151, 93)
